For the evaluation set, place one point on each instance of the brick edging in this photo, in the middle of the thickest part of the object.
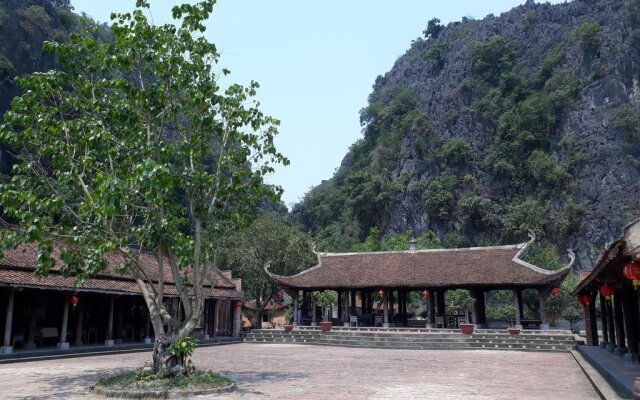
(159, 394)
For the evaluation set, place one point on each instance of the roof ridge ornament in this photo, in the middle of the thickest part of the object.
(572, 258)
(532, 236)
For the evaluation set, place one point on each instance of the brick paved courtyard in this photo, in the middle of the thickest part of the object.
(271, 371)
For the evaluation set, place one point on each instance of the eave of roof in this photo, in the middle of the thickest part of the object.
(17, 269)
(424, 268)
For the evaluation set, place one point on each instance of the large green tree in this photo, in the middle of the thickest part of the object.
(132, 146)
(269, 239)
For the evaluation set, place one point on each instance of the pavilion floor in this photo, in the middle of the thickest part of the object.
(620, 373)
(52, 352)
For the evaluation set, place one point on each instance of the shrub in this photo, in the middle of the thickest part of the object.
(589, 34)
(456, 150)
(628, 119)
(433, 28)
(454, 240)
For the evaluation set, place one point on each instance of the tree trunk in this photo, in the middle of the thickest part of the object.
(164, 363)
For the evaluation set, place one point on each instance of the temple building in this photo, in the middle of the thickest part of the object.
(390, 275)
(613, 286)
(40, 312)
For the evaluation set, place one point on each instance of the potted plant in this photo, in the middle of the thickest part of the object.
(467, 329)
(325, 299)
(514, 330)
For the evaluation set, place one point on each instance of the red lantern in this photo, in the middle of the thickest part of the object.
(632, 271)
(425, 294)
(555, 292)
(279, 293)
(381, 293)
(74, 301)
(585, 299)
(238, 303)
(607, 291)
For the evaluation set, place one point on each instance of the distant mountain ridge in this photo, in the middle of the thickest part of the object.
(487, 128)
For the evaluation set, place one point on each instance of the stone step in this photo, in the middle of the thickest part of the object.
(460, 341)
(393, 334)
(420, 346)
(504, 338)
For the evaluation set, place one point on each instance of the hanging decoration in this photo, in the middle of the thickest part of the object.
(607, 291)
(74, 301)
(585, 299)
(381, 293)
(555, 292)
(632, 272)
(425, 293)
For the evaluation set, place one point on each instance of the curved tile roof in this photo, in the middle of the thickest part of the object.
(17, 269)
(498, 266)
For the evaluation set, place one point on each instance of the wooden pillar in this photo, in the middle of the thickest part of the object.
(352, 310)
(63, 344)
(619, 323)
(216, 316)
(517, 302)
(385, 309)
(605, 330)
(314, 311)
(628, 310)
(296, 317)
(80, 317)
(8, 324)
(542, 298)
(109, 334)
(340, 304)
(431, 314)
(237, 317)
(205, 319)
(392, 307)
(440, 302)
(592, 322)
(611, 326)
(479, 309)
(33, 319)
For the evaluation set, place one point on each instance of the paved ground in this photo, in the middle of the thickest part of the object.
(278, 371)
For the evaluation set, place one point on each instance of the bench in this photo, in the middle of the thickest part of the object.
(417, 323)
(528, 323)
(47, 333)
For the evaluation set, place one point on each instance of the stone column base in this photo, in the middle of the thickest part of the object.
(63, 346)
(345, 324)
(30, 346)
(544, 327)
(314, 324)
(205, 337)
(385, 324)
(147, 340)
(611, 347)
(109, 343)
(479, 326)
(620, 351)
(429, 326)
(6, 349)
(631, 357)
(603, 345)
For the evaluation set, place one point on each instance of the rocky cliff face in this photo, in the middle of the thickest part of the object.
(527, 120)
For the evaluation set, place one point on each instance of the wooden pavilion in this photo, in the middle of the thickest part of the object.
(37, 312)
(613, 288)
(367, 274)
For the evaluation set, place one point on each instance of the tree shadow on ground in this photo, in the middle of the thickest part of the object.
(77, 386)
(246, 380)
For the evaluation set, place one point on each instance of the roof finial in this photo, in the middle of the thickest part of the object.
(572, 257)
(532, 236)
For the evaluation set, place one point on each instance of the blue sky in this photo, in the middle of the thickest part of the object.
(315, 61)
